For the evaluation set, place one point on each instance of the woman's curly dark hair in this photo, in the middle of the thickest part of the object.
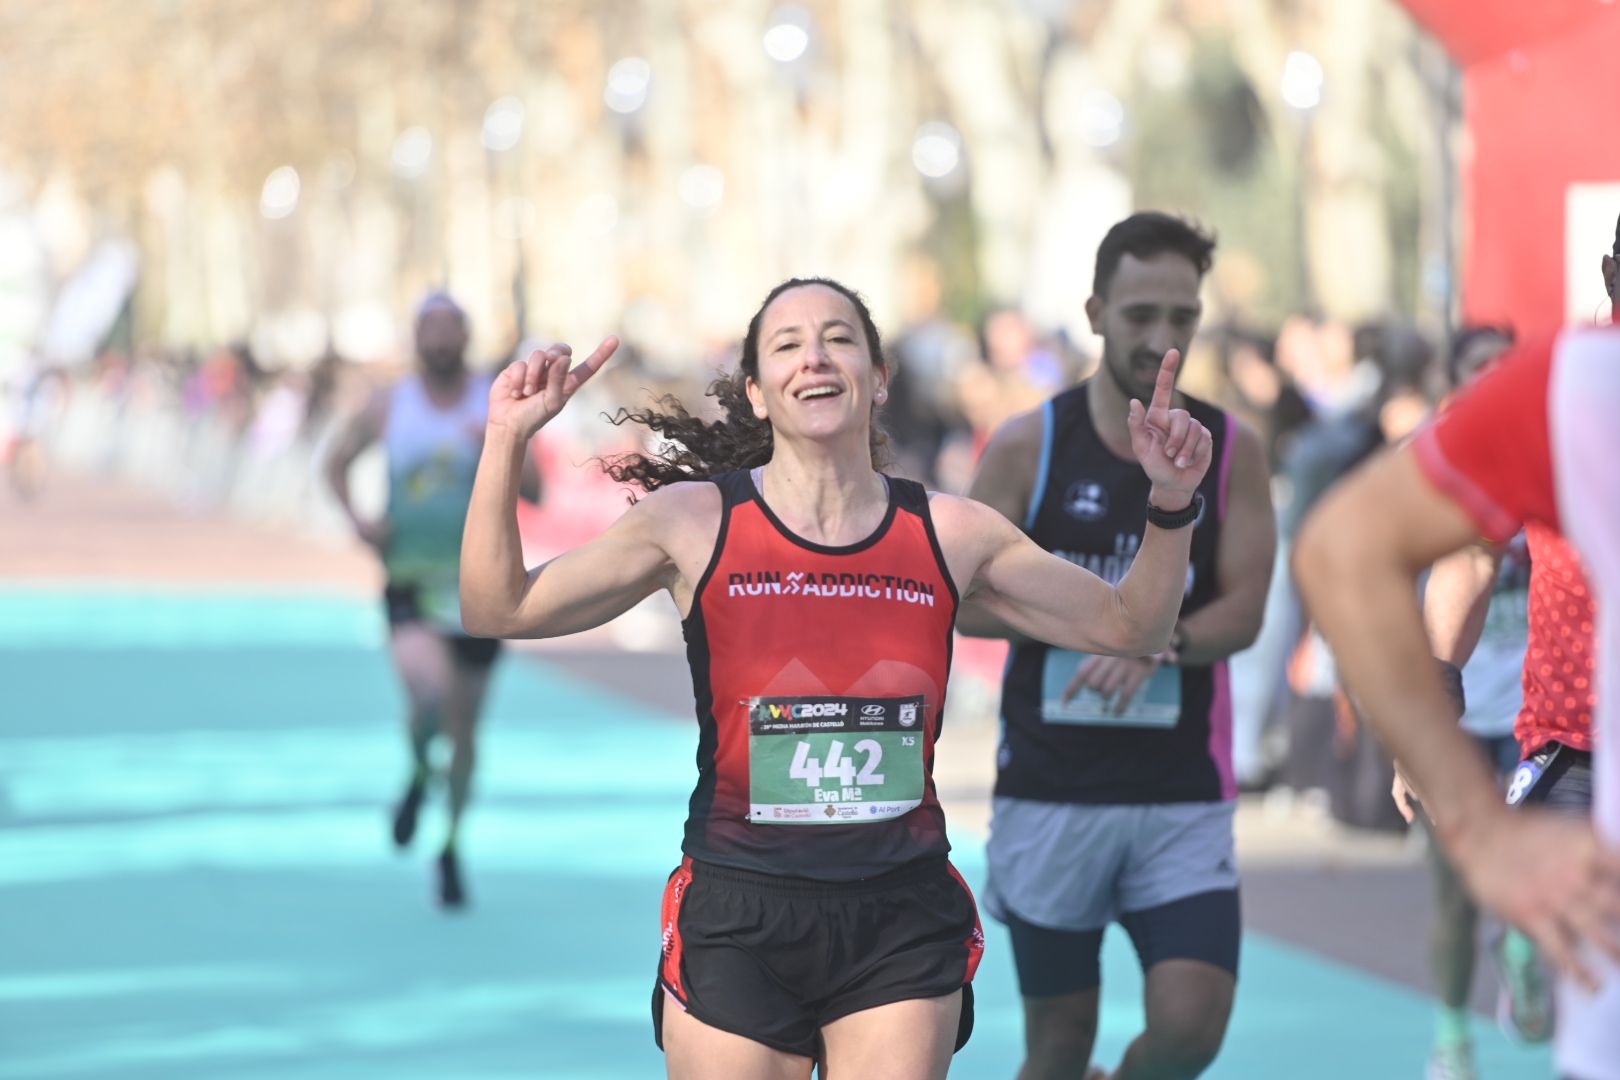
(698, 449)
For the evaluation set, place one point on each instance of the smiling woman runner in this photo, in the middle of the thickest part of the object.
(815, 915)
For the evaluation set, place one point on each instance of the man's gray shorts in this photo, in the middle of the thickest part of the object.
(1073, 866)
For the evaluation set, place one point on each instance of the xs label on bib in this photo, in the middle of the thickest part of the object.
(834, 760)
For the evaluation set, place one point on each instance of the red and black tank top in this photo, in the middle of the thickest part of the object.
(819, 675)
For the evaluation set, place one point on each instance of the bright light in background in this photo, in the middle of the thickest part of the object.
(279, 197)
(503, 124)
(364, 331)
(598, 214)
(937, 150)
(701, 187)
(294, 337)
(627, 84)
(1302, 80)
(789, 34)
(412, 151)
(1102, 119)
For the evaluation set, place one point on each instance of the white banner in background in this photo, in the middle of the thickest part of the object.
(1590, 211)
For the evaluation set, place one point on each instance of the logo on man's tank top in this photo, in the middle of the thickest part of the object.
(1086, 500)
(848, 586)
(1112, 568)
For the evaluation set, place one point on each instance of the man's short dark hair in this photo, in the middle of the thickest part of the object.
(1149, 233)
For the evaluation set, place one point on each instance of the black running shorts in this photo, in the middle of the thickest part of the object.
(404, 607)
(774, 959)
(1559, 778)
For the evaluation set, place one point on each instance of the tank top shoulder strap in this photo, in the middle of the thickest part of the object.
(912, 497)
(909, 495)
(736, 488)
(1211, 416)
(1069, 407)
(1219, 423)
(404, 407)
(1069, 429)
(1065, 419)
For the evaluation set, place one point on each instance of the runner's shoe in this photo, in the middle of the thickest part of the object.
(451, 894)
(1454, 1061)
(1524, 998)
(405, 813)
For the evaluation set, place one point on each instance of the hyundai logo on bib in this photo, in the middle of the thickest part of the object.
(872, 710)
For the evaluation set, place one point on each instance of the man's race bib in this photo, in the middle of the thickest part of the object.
(821, 760)
(1157, 703)
(1529, 773)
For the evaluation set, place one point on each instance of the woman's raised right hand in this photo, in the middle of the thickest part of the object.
(528, 393)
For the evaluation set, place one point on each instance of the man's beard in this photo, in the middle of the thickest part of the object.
(442, 361)
(1120, 372)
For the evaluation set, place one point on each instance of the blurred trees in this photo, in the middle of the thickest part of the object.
(163, 121)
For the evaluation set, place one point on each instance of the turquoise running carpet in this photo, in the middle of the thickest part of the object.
(196, 881)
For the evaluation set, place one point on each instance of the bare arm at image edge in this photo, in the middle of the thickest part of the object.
(1357, 564)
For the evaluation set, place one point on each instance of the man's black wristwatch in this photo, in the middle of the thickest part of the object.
(1176, 519)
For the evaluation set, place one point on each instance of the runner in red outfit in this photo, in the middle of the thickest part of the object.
(1532, 442)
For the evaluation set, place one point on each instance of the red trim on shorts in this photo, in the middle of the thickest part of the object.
(975, 941)
(669, 920)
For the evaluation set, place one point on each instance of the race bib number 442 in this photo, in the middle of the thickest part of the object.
(834, 760)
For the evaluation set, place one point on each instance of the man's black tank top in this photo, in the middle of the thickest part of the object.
(1174, 744)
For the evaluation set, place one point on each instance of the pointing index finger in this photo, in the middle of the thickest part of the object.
(593, 363)
(1166, 383)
